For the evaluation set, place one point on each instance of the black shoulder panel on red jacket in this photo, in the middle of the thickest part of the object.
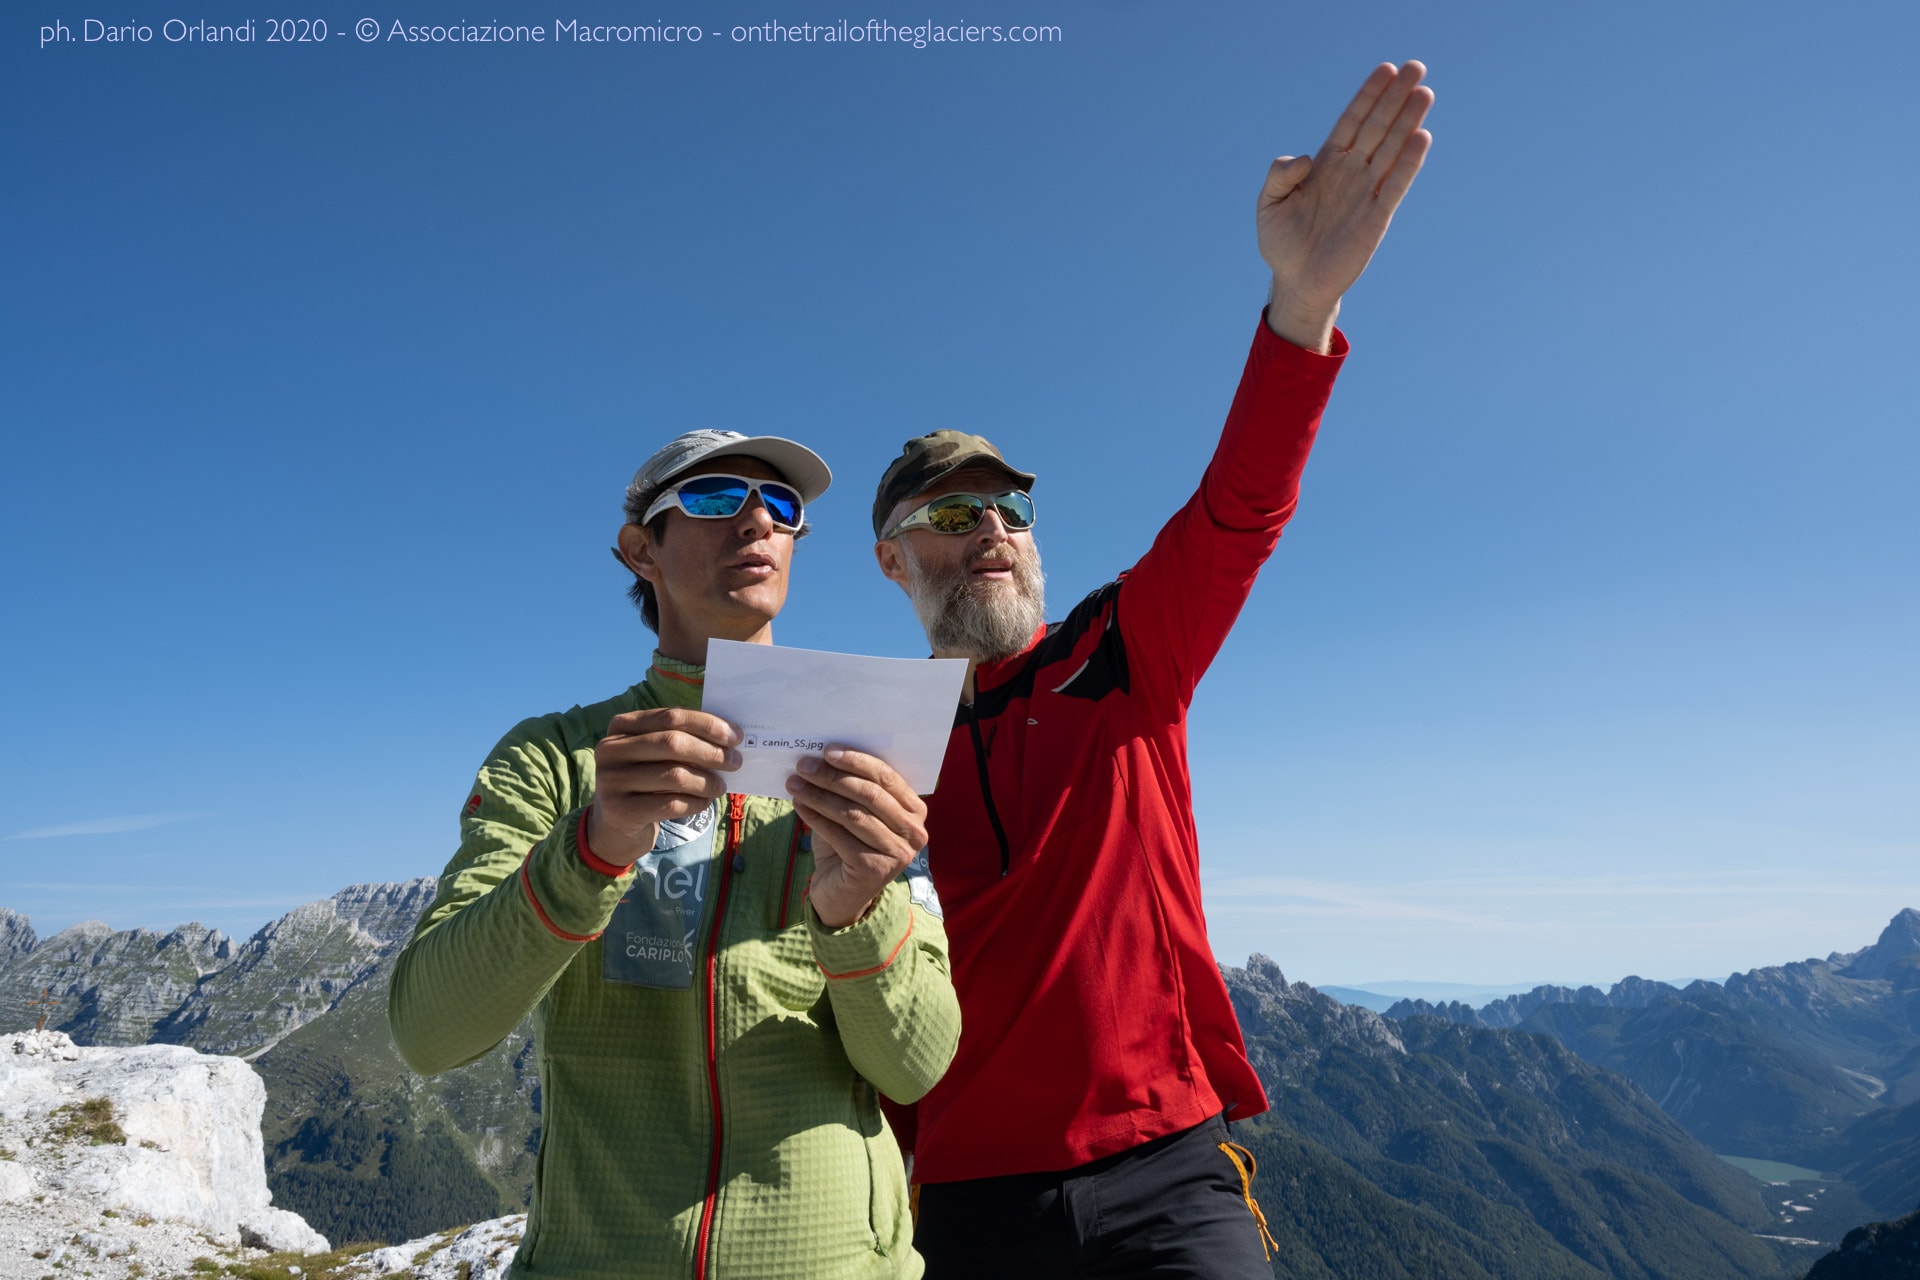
(1101, 672)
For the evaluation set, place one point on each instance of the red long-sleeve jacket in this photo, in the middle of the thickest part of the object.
(1093, 1017)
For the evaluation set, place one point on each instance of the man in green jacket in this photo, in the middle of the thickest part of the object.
(719, 992)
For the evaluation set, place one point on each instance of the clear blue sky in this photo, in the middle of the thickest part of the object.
(1591, 650)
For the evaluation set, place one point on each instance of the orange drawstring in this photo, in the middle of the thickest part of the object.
(1243, 1165)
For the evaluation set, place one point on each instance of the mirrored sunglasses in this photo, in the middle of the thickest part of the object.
(719, 497)
(963, 512)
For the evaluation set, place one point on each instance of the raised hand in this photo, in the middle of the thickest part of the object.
(867, 826)
(1320, 220)
(660, 763)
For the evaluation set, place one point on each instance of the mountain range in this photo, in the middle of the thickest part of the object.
(1426, 1148)
(1556, 1134)
(1813, 1064)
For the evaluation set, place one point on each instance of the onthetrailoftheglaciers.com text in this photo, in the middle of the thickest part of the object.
(249, 31)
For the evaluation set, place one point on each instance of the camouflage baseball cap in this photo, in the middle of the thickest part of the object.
(926, 460)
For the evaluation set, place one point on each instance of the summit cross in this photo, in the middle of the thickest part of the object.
(43, 1004)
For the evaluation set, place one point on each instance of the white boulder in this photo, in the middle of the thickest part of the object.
(189, 1149)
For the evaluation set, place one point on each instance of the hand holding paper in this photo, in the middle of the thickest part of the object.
(867, 825)
(654, 764)
(882, 726)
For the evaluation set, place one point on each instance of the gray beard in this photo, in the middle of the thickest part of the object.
(980, 620)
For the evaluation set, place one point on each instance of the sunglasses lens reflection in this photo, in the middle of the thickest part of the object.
(714, 496)
(958, 513)
(963, 512)
(718, 497)
(1015, 509)
(783, 504)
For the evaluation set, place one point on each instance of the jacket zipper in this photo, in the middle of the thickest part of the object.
(793, 852)
(986, 791)
(736, 809)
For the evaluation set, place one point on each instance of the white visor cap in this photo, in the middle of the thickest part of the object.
(798, 465)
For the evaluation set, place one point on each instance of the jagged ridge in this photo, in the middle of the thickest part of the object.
(194, 986)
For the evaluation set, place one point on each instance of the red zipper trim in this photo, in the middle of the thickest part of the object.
(736, 809)
(605, 868)
(883, 965)
(793, 852)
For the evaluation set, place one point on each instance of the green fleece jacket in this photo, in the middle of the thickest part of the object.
(708, 1094)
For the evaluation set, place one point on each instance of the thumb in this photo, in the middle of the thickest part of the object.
(1283, 176)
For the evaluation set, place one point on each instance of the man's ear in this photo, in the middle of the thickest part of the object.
(893, 564)
(636, 550)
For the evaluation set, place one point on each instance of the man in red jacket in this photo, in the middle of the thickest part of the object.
(1081, 1129)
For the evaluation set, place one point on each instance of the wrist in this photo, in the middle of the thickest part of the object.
(836, 917)
(600, 849)
(1305, 323)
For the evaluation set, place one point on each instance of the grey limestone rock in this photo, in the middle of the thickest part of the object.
(184, 1142)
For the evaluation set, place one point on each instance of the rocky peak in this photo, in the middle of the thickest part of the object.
(78, 941)
(1265, 969)
(305, 922)
(1294, 1021)
(378, 917)
(386, 912)
(207, 949)
(1638, 993)
(1898, 941)
(16, 936)
(296, 968)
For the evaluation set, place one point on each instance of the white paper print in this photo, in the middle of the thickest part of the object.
(795, 702)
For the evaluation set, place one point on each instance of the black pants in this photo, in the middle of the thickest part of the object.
(1173, 1207)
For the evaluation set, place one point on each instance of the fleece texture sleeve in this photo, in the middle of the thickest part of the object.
(516, 903)
(892, 994)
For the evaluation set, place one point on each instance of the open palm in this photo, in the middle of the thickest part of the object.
(1320, 220)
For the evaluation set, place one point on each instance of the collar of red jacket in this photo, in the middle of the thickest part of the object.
(988, 674)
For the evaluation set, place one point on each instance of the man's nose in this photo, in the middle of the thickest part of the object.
(754, 521)
(991, 532)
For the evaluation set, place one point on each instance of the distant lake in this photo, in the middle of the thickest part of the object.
(1774, 1171)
